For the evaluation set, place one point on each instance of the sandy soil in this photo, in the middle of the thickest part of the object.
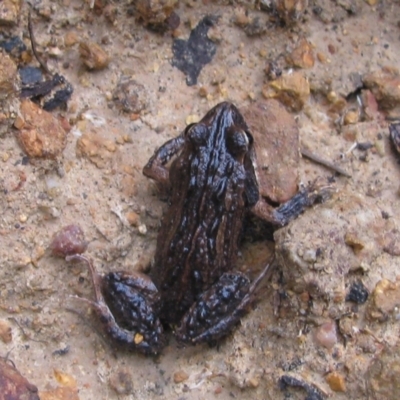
(100, 190)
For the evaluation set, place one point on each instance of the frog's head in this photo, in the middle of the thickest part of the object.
(222, 129)
(220, 148)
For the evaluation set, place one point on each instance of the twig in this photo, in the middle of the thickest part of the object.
(314, 157)
(33, 45)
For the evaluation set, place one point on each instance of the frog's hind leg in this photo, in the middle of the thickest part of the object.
(144, 332)
(220, 308)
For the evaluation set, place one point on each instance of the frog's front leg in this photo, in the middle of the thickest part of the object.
(126, 306)
(220, 308)
(155, 167)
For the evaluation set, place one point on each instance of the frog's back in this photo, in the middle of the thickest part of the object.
(198, 238)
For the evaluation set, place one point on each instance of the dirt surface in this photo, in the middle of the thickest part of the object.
(306, 325)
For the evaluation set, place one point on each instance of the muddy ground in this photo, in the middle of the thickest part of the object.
(327, 323)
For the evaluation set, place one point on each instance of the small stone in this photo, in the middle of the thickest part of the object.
(203, 92)
(180, 376)
(68, 241)
(158, 15)
(352, 240)
(325, 335)
(5, 331)
(322, 58)
(23, 218)
(9, 11)
(133, 218)
(142, 229)
(336, 382)
(241, 17)
(303, 55)
(351, 117)
(253, 382)
(290, 11)
(41, 133)
(130, 96)
(138, 338)
(291, 89)
(385, 86)
(358, 293)
(8, 76)
(385, 298)
(93, 56)
(55, 52)
(70, 39)
(370, 105)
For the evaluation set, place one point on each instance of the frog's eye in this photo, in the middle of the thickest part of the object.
(197, 134)
(237, 142)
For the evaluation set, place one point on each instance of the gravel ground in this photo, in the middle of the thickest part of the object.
(327, 323)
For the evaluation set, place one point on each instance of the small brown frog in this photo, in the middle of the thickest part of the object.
(193, 285)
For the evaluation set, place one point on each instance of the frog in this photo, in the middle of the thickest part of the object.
(193, 285)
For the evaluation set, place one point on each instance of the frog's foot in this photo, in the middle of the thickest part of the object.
(305, 198)
(130, 320)
(219, 309)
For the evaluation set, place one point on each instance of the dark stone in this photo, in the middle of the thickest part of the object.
(358, 293)
(30, 75)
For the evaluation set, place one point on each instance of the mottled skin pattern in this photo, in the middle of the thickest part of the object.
(198, 238)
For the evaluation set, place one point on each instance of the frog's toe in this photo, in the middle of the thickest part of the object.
(217, 311)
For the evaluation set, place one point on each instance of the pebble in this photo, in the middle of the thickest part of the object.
(68, 241)
(157, 14)
(385, 298)
(358, 293)
(8, 76)
(40, 133)
(180, 376)
(303, 55)
(336, 382)
(385, 86)
(142, 229)
(292, 90)
(133, 218)
(325, 335)
(93, 56)
(351, 117)
(130, 96)
(70, 39)
(9, 12)
(5, 331)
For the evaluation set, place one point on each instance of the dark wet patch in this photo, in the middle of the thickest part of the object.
(191, 55)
